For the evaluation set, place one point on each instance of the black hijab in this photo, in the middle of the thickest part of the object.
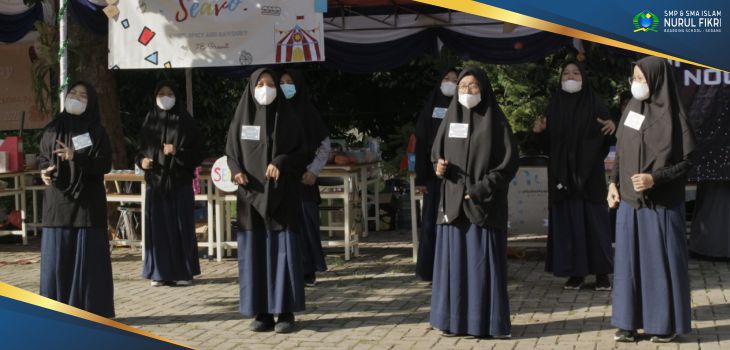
(480, 165)
(177, 127)
(315, 131)
(664, 138)
(280, 136)
(426, 128)
(68, 177)
(577, 144)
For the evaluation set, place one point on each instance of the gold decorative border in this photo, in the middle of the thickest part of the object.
(489, 11)
(25, 296)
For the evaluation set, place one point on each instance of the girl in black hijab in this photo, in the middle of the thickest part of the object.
(267, 155)
(169, 152)
(316, 136)
(655, 142)
(429, 120)
(577, 141)
(475, 154)
(75, 153)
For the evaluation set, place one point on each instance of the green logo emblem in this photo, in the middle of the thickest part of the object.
(646, 21)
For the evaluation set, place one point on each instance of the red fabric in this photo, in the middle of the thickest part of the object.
(15, 219)
(411, 144)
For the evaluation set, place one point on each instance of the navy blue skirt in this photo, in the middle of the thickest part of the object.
(579, 241)
(171, 248)
(470, 281)
(311, 244)
(269, 272)
(651, 279)
(710, 235)
(76, 268)
(427, 241)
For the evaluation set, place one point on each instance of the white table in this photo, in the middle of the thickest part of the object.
(34, 189)
(120, 197)
(415, 197)
(207, 196)
(346, 193)
(366, 174)
(353, 177)
(116, 178)
(18, 192)
(223, 216)
(225, 242)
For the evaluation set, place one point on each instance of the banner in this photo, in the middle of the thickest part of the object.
(210, 33)
(706, 94)
(528, 201)
(30, 321)
(16, 91)
(673, 29)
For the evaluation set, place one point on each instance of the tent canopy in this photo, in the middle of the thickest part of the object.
(360, 36)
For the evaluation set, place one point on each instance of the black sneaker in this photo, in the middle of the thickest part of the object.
(310, 280)
(603, 283)
(663, 338)
(624, 336)
(574, 283)
(285, 324)
(448, 334)
(262, 323)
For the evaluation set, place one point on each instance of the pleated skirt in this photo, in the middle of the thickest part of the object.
(311, 243)
(579, 241)
(470, 281)
(171, 248)
(269, 272)
(76, 268)
(651, 288)
(710, 225)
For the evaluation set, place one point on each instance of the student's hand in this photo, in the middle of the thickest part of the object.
(540, 125)
(466, 197)
(608, 126)
(46, 174)
(613, 197)
(168, 149)
(441, 167)
(309, 178)
(147, 163)
(642, 182)
(65, 152)
(422, 189)
(240, 179)
(272, 172)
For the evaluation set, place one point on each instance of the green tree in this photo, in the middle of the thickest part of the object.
(87, 61)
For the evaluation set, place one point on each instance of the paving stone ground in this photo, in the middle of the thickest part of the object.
(375, 302)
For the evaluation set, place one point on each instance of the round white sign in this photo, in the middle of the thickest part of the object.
(221, 175)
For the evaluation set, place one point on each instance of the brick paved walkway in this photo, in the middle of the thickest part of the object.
(374, 302)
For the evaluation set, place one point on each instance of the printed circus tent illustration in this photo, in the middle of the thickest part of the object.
(298, 45)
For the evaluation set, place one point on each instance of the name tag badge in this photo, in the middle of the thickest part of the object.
(251, 132)
(458, 130)
(634, 120)
(81, 141)
(439, 113)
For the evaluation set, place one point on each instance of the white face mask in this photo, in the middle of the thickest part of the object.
(74, 106)
(264, 95)
(165, 102)
(448, 88)
(571, 86)
(469, 100)
(640, 90)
